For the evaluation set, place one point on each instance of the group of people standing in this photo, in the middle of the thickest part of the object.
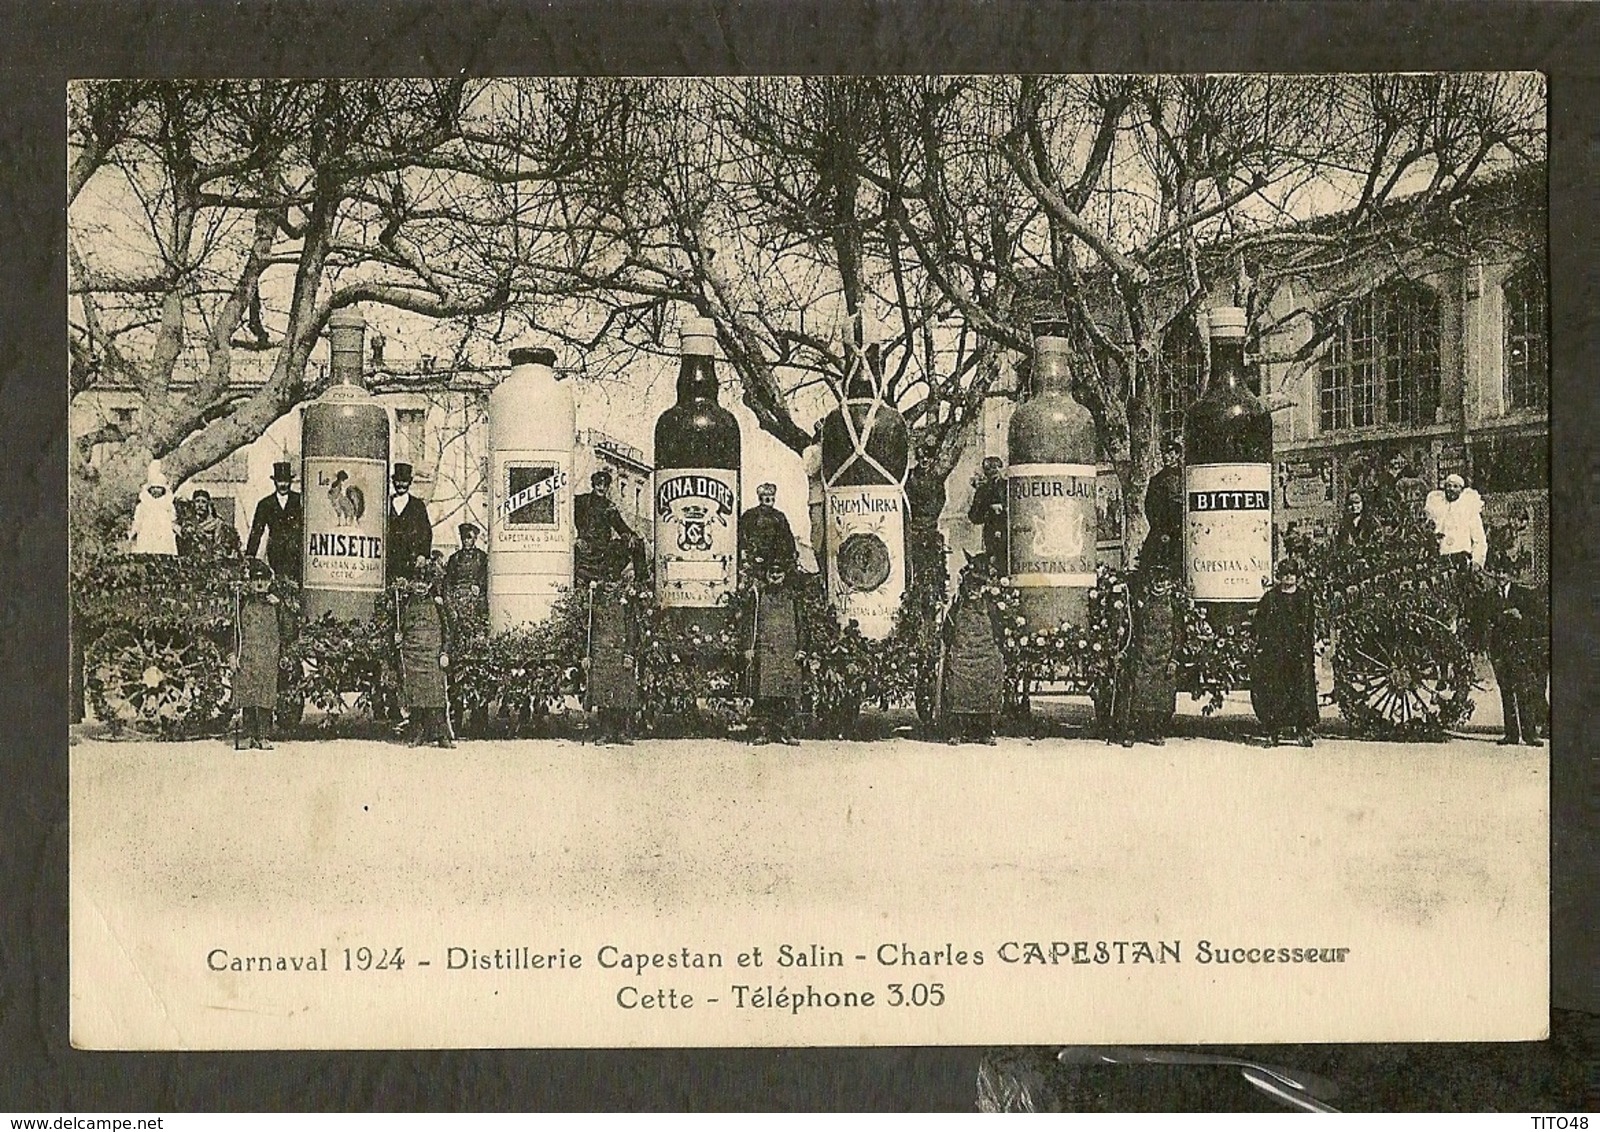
(440, 602)
(1282, 672)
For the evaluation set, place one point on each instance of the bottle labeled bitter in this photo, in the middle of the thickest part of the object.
(1050, 496)
(1227, 439)
(696, 483)
(866, 454)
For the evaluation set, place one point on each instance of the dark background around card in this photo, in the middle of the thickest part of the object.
(44, 46)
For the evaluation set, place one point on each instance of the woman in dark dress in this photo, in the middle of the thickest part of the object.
(1283, 670)
(424, 655)
(1147, 692)
(974, 683)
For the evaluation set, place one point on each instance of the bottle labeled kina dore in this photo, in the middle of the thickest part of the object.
(697, 485)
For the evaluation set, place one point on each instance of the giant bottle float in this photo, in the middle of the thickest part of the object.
(344, 473)
(866, 455)
(1050, 493)
(532, 428)
(697, 490)
(1227, 481)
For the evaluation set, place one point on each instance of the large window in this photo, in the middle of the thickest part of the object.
(1382, 365)
(1527, 352)
(1178, 379)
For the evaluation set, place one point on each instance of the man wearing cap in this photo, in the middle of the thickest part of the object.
(605, 543)
(410, 529)
(765, 539)
(281, 519)
(1456, 512)
(466, 581)
(1163, 509)
(988, 511)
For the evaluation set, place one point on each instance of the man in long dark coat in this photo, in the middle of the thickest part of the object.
(260, 637)
(973, 668)
(606, 554)
(1518, 646)
(988, 511)
(1283, 668)
(410, 531)
(1163, 508)
(280, 517)
(772, 656)
(1147, 684)
(466, 604)
(422, 638)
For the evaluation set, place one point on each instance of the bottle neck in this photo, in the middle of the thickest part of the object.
(1227, 363)
(697, 378)
(1051, 375)
(862, 384)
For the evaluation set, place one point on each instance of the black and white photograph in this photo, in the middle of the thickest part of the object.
(809, 561)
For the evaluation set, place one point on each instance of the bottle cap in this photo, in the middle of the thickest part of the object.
(1051, 347)
(533, 356)
(699, 336)
(1227, 322)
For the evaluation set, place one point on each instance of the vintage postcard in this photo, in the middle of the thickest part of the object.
(808, 561)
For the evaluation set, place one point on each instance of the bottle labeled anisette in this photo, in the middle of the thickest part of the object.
(531, 434)
(1050, 497)
(1227, 440)
(696, 483)
(866, 455)
(344, 451)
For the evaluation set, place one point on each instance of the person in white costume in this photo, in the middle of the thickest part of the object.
(155, 517)
(1456, 512)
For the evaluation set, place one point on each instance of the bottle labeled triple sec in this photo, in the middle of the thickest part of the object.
(697, 486)
(1227, 441)
(1050, 497)
(866, 455)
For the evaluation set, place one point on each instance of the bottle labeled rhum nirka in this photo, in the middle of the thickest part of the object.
(696, 485)
(1227, 443)
(866, 455)
(1050, 498)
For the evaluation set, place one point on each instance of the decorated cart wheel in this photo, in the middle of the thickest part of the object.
(159, 681)
(1401, 676)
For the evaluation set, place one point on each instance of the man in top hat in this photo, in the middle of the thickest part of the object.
(1456, 512)
(765, 541)
(1518, 623)
(605, 543)
(281, 518)
(410, 529)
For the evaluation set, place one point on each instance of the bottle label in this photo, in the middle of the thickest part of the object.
(346, 501)
(866, 539)
(1228, 530)
(1051, 519)
(531, 504)
(697, 536)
